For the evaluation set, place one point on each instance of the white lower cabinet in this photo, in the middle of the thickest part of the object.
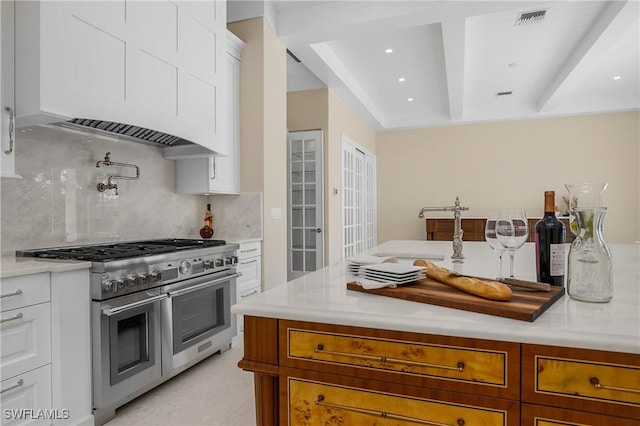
(26, 399)
(45, 349)
(26, 339)
(250, 265)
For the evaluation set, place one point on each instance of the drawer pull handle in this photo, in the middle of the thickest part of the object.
(459, 366)
(320, 401)
(18, 292)
(596, 384)
(17, 385)
(2, 321)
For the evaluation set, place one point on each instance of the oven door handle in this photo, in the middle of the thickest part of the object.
(203, 285)
(118, 309)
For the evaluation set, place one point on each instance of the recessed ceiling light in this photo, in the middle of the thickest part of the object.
(617, 77)
(512, 65)
(388, 50)
(401, 79)
(410, 99)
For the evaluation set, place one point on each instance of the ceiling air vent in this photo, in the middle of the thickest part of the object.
(526, 18)
(502, 94)
(294, 57)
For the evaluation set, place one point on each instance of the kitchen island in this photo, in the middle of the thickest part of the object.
(322, 353)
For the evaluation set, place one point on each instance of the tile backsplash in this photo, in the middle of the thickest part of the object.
(57, 202)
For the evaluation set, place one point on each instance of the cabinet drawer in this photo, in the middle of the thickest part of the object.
(596, 381)
(24, 290)
(250, 292)
(26, 399)
(251, 274)
(321, 403)
(250, 249)
(25, 334)
(536, 415)
(431, 364)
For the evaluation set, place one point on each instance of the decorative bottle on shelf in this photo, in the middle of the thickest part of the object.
(550, 235)
(207, 230)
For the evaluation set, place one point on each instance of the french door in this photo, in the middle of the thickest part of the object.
(359, 220)
(305, 203)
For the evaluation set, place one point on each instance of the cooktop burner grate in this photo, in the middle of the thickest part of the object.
(118, 251)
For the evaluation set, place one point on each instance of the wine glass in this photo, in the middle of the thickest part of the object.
(512, 230)
(490, 236)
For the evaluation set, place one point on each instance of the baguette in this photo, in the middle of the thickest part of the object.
(492, 290)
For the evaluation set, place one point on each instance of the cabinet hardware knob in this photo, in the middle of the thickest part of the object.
(17, 385)
(12, 129)
(459, 366)
(18, 292)
(2, 321)
(599, 386)
(320, 400)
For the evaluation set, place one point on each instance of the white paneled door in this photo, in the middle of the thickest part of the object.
(305, 203)
(359, 219)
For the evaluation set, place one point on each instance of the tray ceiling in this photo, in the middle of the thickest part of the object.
(458, 62)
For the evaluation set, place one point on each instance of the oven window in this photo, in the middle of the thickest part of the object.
(199, 315)
(131, 342)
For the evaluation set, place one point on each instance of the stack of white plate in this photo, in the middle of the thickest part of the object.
(354, 264)
(396, 273)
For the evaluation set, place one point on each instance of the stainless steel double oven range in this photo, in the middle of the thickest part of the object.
(157, 308)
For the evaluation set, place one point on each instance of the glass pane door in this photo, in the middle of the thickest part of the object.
(359, 220)
(305, 220)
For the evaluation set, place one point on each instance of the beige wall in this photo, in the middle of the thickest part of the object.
(263, 137)
(322, 109)
(508, 164)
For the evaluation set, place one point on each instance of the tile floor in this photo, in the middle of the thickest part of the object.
(214, 392)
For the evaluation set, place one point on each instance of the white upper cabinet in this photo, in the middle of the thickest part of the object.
(7, 104)
(220, 174)
(154, 64)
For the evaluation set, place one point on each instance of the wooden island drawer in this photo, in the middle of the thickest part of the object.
(441, 364)
(312, 402)
(585, 380)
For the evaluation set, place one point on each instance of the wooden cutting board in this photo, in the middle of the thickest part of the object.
(524, 305)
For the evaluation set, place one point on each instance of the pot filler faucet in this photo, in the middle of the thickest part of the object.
(457, 227)
(110, 184)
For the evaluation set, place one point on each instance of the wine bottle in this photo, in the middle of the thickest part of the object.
(550, 248)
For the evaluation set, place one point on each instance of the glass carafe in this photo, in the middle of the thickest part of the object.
(589, 266)
(584, 195)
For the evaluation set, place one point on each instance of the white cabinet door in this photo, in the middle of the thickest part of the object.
(156, 64)
(221, 174)
(26, 339)
(26, 399)
(7, 105)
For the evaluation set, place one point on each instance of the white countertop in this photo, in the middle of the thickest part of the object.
(322, 296)
(11, 266)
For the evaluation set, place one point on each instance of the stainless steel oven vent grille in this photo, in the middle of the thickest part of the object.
(534, 17)
(126, 131)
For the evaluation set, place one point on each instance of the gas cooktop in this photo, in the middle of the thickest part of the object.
(120, 250)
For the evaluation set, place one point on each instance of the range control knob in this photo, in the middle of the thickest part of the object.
(119, 285)
(184, 267)
(128, 281)
(209, 264)
(219, 261)
(227, 260)
(140, 279)
(155, 276)
(234, 260)
(110, 285)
